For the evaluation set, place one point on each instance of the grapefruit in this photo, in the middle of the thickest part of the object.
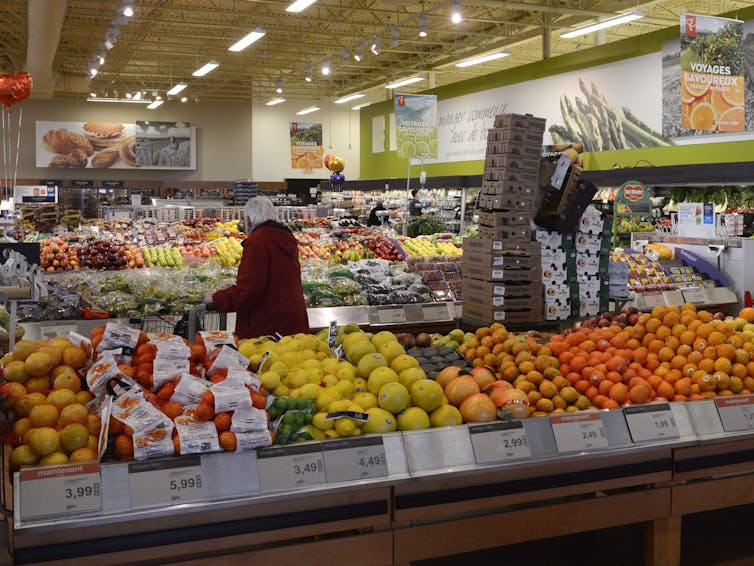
(393, 397)
(379, 377)
(380, 421)
(460, 388)
(43, 440)
(413, 418)
(445, 415)
(383, 337)
(403, 362)
(22, 456)
(478, 408)
(408, 376)
(44, 414)
(15, 371)
(38, 364)
(427, 394)
(75, 413)
(84, 454)
(73, 437)
(391, 350)
(370, 362)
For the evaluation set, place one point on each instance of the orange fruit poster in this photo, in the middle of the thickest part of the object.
(306, 146)
(712, 82)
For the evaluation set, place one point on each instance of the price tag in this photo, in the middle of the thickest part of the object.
(391, 315)
(651, 422)
(695, 296)
(577, 432)
(736, 413)
(435, 312)
(287, 467)
(499, 441)
(332, 334)
(355, 459)
(165, 481)
(68, 489)
(51, 331)
(654, 299)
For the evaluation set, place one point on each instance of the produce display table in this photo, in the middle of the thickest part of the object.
(464, 488)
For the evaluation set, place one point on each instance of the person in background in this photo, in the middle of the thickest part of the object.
(375, 220)
(267, 296)
(414, 208)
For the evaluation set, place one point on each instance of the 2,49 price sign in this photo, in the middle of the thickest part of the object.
(578, 431)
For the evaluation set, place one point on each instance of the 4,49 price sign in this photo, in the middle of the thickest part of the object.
(355, 459)
(288, 467)
(60, 490)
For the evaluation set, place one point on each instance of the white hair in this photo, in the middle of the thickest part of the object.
(257, 211)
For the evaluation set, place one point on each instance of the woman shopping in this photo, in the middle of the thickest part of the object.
(267, 296)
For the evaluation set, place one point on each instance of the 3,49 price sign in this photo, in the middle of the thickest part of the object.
(288, 467)
(60, 490)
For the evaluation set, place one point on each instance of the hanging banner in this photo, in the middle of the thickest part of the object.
(416, 125)
(306, 146)
(712, 74)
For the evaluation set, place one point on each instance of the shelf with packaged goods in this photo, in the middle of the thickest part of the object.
(442, 483)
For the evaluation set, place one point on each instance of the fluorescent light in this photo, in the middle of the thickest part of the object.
(307, 110)
(137, 96)
(128, 95)
(250, 38)
(350, 97)
(121, 100)
(404, 82)
(93, 94)
(326, 67)
(176, 89)
(602, 24)
(423, 25)
(300, 5)
(128, 11)
(360, 105)
(274, 101)
(184, 98)
(279, 90)
(455, 14)
(484, 58)
(93, 72)
(101, 59)
(206, 68)
(155, 104)
(375, 46)
(357, 56)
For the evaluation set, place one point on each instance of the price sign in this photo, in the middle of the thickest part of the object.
(391, 315)
(654, 299)
(736, 413)
(695, 296)
(165, 481)
(51, 331)
(60, 490)
(435, 312)
(577, 432)
(651, 422)
(495, 442)
(287, 467)
(355, 459)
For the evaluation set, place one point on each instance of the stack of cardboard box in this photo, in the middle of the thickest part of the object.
(501, 267)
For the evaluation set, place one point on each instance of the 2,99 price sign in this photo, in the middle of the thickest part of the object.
(60, 490)
(165, 481)
(496, 442)
(288, 467)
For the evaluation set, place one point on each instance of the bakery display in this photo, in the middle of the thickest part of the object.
(74, 159)
(104, 134)
(106, 157)
(65, 142)
(127, 151)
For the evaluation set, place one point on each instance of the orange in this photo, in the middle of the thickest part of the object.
(640, 394)
(666, 390)
(732, 120)
(739, 370)
(223, 421)
(228, 441)
(723, 364)
(124, 447)
(684, 350)
(665, 354)
(707, 365)
(686, 96)
(687, 337)
(747, 314)
(75, 357)
(172, 409)
(683, 386)
(715, 338)
(700, 344)
(670, 319)
(703, 117)
(618, 392)
(678, 329)
(726, 351)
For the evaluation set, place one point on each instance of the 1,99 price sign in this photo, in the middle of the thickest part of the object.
(578, 431)
(60, 490)
(165, 481)
(651, 422)
(288, 467)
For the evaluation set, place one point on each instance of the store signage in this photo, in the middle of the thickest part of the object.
(51, 182)
(34, 194)
(736, 413)
(651, 422)
(633, 196)
(112, 184)
(391, 315)
(416, 125)
(165, 481)
(82, 183)
(432, 313)
(353, 459)
(694, 296)
(578, 432)
(497, 442)
(288, 467)
(69, 489)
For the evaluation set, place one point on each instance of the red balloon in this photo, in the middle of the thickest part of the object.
(14, 88)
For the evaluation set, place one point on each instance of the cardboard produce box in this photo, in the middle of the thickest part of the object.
(484, 314)
(509, 259)
(511, 161)
(503, 218)
(508, 188)
(487, 273)
(501, 302)
(491, 289)
(526, 147)
(522, 176)
(513, 234)
(499, 245)
(521, 121)
(507, 202)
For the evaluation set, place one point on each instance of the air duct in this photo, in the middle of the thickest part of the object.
(45, 22)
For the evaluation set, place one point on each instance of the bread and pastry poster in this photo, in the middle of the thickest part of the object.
(306, 146)
(115, 145)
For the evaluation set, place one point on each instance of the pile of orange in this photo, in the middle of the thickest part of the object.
(708, 109)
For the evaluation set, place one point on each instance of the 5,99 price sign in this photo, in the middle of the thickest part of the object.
(288, 467)
(165, 481)
(60, 490)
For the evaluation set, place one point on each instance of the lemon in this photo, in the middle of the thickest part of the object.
(281, 391)
(270, 380)
(360, 385)
(345, 388)
(413, 418)
(337, 406)
(310, 391)
(345, 426)
(326, 398)
(314, 375)
(346, 371)
(332, 381)
(296, 393)
(393, 397)
(330, 366)
(380, 421)
(322, 423)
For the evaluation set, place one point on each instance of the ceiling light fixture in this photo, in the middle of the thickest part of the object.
(404, 82)
(345, 56)
(349, 98)
(274, 101)
(394, 37)
(126, 9)
(154, 104)
(137, 96)
(375, 49)
(358, 54)
(455, 13)
(326, 67)
(299, 5)
(308, 76)
(247, 40)
(206, 68)
(184, 98)
(119, 100)
(308, 110)
(423, 25)
(279, 88)
(128, 95)
(93, 94)
(108, 43)
(360, 105)
(483, 58)
(177, 88)
(100, 58)
(602, 24)
(92, 70)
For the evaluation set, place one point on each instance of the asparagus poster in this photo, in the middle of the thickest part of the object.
(306, 146)
(712, 74)
(416, 125)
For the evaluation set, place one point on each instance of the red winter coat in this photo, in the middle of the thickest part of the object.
(267, 296)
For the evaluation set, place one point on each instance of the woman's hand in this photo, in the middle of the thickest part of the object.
(208, 298)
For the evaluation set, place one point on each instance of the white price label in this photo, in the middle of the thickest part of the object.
(577, 432)
(51, 331)
(165, 481)
(651, 422)
(495, 442)
(355, 459)
(694, 296)
(287, 467)
(435, 312)
(391, 315)
(736, 413)
(652, 300)
(68, 489)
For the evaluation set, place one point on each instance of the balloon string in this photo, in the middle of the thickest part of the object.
(18, 147)
(6, 141)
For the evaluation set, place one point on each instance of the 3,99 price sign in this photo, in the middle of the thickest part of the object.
(60, 490)
(288, 467)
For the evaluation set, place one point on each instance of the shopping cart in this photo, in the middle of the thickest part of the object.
(202, 317)
(155, 323)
